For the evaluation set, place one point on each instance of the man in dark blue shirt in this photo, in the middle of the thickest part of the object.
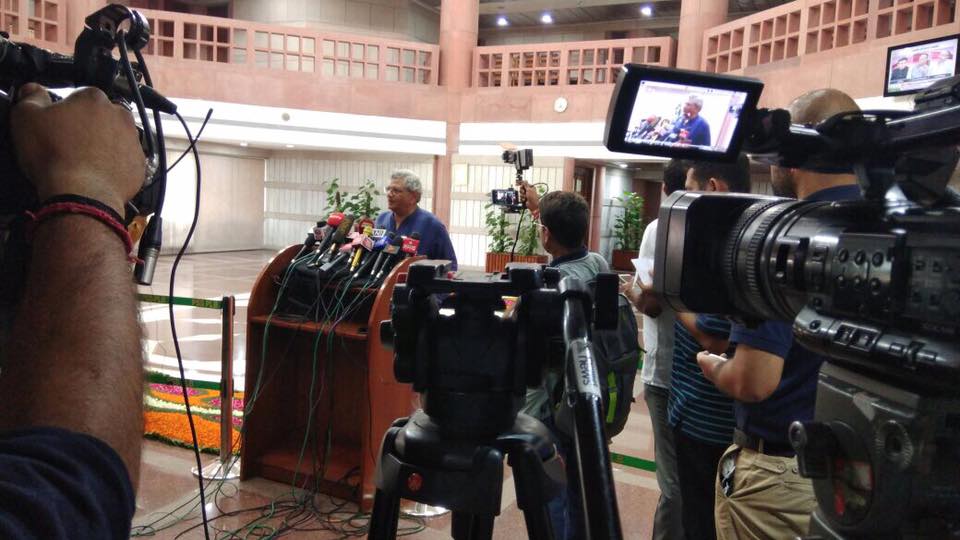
(405, 217)
(692, 128)
(773, 380)
(71, 385)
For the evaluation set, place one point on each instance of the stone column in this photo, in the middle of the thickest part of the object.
(459, 26)
(695, 17)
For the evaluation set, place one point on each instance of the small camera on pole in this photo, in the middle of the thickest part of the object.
(510, 200)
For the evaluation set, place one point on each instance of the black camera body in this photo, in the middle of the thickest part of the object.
(872, 284)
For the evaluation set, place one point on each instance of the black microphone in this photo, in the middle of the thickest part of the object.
(338, 237)
(391, 248)
(327, 232)
(408, 248)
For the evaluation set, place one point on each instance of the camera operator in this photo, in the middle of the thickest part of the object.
(72, 380)
(564, 217)
(658, 344)
(405, 217)
(773, 381)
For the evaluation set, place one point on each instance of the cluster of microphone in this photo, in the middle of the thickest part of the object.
(346, 248)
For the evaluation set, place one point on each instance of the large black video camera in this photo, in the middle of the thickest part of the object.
(874, 284)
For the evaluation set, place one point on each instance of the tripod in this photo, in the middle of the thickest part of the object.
(419, 462)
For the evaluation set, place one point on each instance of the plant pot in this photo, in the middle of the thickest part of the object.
(622, 259)
(496, 262)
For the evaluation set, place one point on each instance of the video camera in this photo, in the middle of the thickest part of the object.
(114, 27)
(510, 200)
(872, 284)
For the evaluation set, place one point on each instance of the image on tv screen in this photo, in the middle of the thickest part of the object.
(913, 67)
(681, 115)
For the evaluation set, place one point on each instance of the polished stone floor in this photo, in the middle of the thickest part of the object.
(167, 488)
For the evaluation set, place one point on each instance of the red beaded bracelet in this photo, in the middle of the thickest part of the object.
(76, 204)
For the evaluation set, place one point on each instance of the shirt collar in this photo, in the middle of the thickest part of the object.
(849, 192)
(572, 256)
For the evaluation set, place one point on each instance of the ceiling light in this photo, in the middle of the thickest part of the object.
(502, 21)
(289, 146)
(546, 18)
(622, 165)
(646, 11)
(244, 144)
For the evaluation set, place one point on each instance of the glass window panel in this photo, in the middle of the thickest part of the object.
(373, 53)
(409, 57)
(408, 74)
(262, 59)
(276, 60)
(293, 63)
(276, 42)
(293, 44)
(240, 37)
(328, 47)
(239, 56)
(356, 70)
(371, 70)
(392, 73)
(393, 55)
(308, 45)
(424, 58)
(356, 51)
(343, 49)
(328, 67)
(423, 76)
(306, 64)
(343, 68)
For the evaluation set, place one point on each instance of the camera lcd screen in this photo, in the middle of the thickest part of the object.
(504, 197)
(677, 113)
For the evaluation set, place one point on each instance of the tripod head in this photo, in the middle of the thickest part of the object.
(470, 357)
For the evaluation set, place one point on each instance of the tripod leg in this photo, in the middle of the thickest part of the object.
(466, 526)
(386, 513)
(528, 479)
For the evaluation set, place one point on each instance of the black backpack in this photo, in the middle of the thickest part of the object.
(618, 359)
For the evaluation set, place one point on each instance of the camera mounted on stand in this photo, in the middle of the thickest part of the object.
(510, 200)
(874, 285)
(472, 359)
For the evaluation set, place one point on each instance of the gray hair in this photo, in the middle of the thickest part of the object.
(411, 182)
(696, 100)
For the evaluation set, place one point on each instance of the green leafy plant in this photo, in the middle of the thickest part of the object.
(363, 203)
(628, 229)
(497, 224)
(529, 241)
(334, 200)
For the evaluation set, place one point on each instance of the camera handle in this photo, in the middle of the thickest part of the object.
(583, 388)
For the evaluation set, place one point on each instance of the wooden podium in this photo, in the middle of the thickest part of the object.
(355, 395)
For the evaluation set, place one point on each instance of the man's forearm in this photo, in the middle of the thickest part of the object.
(707, 341)
(89, 378)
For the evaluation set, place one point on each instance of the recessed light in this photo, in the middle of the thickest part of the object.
(546, 18)
(622, 165)
(502, 21)
(290, 146)
(646, 11)
(244, 144)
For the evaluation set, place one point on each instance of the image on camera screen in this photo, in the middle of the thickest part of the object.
(504, 197)
(684, 116)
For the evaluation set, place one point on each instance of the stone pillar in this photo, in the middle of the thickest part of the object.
(695, 17)
(569, 167)
(459, 26)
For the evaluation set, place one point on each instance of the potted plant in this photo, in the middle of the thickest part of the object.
(628, 231)
(362, 203)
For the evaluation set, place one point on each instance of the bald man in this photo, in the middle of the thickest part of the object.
(773, 380)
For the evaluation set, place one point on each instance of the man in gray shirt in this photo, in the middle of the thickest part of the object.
(564, 218)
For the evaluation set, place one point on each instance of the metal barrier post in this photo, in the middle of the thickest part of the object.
(227, 466)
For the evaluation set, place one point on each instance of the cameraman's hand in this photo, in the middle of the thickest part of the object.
(532, 197)
(643, 297)
(84, 145)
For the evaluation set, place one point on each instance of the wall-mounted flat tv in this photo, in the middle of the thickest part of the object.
(915, 66)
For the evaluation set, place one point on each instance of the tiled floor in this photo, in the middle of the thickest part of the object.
(167, 484)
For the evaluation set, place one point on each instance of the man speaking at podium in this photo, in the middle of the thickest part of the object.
(405, 217)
